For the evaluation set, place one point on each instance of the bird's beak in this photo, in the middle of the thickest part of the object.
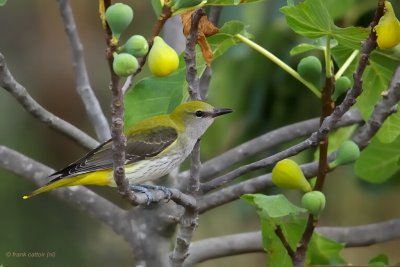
(221, 111)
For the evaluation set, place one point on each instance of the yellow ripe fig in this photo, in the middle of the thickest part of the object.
(288, 174)
(163, 60)
(388, 28)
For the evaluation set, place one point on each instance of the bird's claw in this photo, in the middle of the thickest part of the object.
(145, 189)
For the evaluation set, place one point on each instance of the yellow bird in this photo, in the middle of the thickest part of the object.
(154, 147)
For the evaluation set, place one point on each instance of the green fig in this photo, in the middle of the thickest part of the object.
(348, 152)
(118, 17)
(163, 60)
(341, 85)
(314, 202)
(310, 68)
(136, 45)
(125, 64)
(288, 174)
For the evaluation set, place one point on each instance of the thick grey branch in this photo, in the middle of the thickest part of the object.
(382, 110)
(82, 198)
(92, 106)
(354, 236)
(219, 247)
(8, 82)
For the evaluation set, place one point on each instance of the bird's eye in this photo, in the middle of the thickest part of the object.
(199, 114)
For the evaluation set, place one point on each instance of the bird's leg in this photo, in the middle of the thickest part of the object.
(145, 189)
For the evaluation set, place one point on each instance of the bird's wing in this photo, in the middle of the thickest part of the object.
(147, 143)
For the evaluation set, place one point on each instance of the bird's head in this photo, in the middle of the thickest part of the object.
(197, 116)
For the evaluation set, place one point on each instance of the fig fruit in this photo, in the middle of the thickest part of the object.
(348, 152)
(163, 60)
(136, 45)
(125, 64)
(118, 17)
(288, 174)
(342, 84)
(388, 28)
(314, 202)
(310, 68)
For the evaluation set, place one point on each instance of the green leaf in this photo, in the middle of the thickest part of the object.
(3, 2)
(312, 19)
(275, 206)
(379, 161)
(318, 44)
(159, 95)
(229, 2)
(379, 260)
(322, 250)
(156, 4)
(390, 129)
(154, 95)
(276, 253)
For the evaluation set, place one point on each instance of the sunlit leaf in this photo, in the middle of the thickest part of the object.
(319, 44)
(378, 161)
(312, 19)
(3, 2)
(322, 250)
(380, 260)
(275, 206)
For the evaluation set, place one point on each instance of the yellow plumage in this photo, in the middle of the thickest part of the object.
(154, 147)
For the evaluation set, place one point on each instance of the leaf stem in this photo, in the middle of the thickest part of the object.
(327, 54)
(346, 64)
(280, 63)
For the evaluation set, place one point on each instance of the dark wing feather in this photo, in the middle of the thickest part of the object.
(147, 143)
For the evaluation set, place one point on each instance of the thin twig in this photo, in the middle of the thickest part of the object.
(188, 223)
(92, 106)
(117, 118)
(8, 82)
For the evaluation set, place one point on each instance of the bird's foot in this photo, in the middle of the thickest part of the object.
(145, 189)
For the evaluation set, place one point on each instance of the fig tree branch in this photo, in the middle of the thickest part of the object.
(366, 48)
(117, 118)
(353, 236)
(92, 106)
(265, 142)
(189, 220)
(80, 197)
(20, 93)
(386, 107)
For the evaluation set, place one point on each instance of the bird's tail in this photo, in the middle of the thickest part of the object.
(93, 178)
